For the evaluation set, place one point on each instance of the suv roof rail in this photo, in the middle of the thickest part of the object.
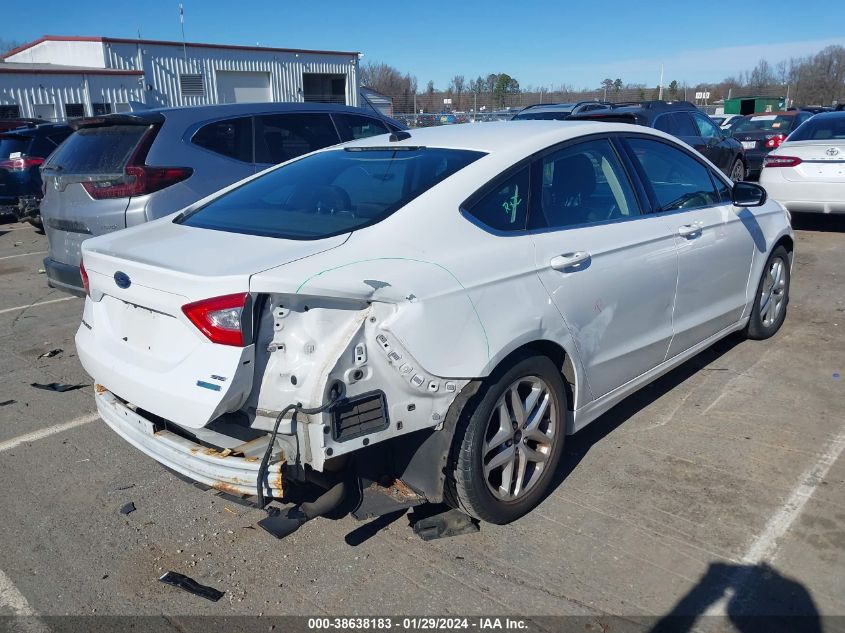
(658, 104)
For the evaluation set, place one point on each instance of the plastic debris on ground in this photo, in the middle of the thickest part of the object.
(57, 386)
(191, 586)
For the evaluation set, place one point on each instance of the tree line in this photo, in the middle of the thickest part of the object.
(817, 79)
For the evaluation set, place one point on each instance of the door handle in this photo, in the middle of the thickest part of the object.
(691, 230)
(568, 260)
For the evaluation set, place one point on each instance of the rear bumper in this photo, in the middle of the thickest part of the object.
(804, 196)
(222, 470)
(64, 277)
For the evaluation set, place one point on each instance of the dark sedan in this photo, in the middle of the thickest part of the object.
(763, 132)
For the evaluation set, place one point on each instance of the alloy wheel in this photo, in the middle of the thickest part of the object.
(519, 437)
(773, 293)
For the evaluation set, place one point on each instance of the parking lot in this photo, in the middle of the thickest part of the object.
(717, 489)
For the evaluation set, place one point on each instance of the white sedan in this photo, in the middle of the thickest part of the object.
(807, 172)
(426, 315)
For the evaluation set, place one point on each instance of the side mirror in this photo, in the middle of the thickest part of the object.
(748, 194)
(727, 132)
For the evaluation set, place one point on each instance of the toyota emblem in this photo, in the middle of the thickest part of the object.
(832, 151)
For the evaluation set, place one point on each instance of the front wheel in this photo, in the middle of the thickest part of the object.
(772, 297)
(505, 451)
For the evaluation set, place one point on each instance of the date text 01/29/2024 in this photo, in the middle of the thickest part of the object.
(418, 623)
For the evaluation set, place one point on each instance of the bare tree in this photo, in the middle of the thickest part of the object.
(458, 88)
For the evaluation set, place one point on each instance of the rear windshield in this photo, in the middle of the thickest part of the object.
(821, 128)
(98, 150)
(11, 144)
(330, 192)
(765, 123)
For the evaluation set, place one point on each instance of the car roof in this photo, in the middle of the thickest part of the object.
(500, 136)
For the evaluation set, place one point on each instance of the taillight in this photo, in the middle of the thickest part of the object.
(781, 161)
(773, 142)
(21, 164)
(219, 318)
(84, 274)
(137, 180)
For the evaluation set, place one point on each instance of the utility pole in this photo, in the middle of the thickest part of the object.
(660, 85)
(182, 24)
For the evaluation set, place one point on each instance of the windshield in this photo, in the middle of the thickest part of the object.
(765, 123)
(329, 193)
(821, 128)
(12, 144)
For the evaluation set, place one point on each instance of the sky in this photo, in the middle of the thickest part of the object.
(549, 43)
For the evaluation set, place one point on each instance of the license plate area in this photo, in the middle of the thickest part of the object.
(147, 333)
(749, 144)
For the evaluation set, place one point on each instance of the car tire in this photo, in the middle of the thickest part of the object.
(772, 297)
(737, 172)
(503, 458)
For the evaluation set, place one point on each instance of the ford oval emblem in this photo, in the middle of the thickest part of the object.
(122, 280)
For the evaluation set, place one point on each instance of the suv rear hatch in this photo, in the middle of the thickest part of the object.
(136, 338)
(91, 179)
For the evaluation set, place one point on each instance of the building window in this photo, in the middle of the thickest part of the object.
(191, 85)
(324, 88)
(74, 110)
(10, 112)
(100, 109)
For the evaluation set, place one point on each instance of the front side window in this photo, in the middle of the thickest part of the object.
(231, 138)
(282, 137)
(678, 180)
(355, 126)
(581, 184)
(330, 192)
(505, 206)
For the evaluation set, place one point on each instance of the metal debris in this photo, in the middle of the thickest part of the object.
(191, 586)
(6, 403)
(57, 386)
(127, 508)
(52, 353)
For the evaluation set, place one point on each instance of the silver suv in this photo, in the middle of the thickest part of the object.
(121, 170)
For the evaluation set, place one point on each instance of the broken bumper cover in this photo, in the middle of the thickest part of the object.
(218, 469)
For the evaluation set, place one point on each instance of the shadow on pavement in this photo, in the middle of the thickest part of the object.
(832, 223)
(758, 599)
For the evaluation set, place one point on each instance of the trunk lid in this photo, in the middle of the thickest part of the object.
(821, 161)
(136, 341)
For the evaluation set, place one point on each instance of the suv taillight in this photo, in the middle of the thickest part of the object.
(781, 161)
(21, 164)
(84, 274)
(137, 180)
(219, 318)
(773, 142)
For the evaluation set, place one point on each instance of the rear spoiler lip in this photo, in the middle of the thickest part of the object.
(134, 118)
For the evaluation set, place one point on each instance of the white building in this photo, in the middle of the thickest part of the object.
(60, 77)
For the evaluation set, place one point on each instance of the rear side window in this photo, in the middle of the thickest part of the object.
(821, 128)
(505, 206)
(355, 126)
(329, 193)
(99, 150)
(281, 137)
(231, 138)
(678, 180)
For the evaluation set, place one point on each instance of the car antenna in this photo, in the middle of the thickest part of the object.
(399, 135)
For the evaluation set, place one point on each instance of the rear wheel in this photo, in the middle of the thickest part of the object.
(738, 171)
(505, 452)
(769, 309)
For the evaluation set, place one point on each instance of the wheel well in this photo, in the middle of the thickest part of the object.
(559, 357)
(786, 242)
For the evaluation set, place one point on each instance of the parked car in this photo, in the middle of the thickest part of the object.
(761, 133)
(19, 122)
(445, 304)
(22, 152)
(686, 122)
(557, 111)
(806, 173)
(121, 170)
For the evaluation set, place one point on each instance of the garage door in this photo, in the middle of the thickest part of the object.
(243, 87)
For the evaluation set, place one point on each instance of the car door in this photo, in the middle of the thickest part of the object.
(284, 136)
(610, 269)
(715, 148)
(715, 240)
